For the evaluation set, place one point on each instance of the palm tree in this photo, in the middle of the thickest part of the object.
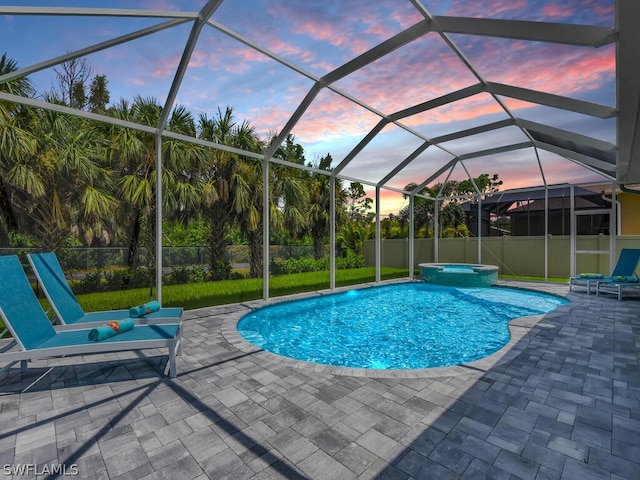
(225, 192)
(451, 216)
(69, 166)
(17, 144)
(351, 237)
(128, 150)
(89, 180)
(318, 214)
(423, 210)
(287, 198)
(133, 153)
(250, 218)
(289, 188)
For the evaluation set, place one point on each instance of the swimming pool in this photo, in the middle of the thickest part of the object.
(402, 326)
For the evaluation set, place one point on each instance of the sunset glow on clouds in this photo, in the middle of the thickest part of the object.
(320, 36)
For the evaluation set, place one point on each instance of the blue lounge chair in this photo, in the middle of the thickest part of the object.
(625, 267)
(66, 307)
(37, 338)
(586, 280)
(623, 277)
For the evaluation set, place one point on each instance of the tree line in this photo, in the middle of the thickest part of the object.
(65, 180)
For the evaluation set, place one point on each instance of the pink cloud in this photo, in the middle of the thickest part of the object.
(333, 117)
(474, 107)
(355, 30)
(413, 74)
(561, 170)
(158, 5)
(330, 33)
(483, 8)
(198, 59)
(601, 10)
(552, 70)
(509, 6)
(165, 66)
(323, 65)
(272, 117)
(555, 10)
(290, 50)
(406, 18)
(235, 52)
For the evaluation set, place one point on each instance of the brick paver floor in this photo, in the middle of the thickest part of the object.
(562, 400)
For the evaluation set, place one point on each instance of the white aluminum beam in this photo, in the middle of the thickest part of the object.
(378, 237)
(404, 163)
(603, 168)
(448, 166)
(495, 150)
(332, 232)
(567, 136)
(358, 148)
(628, 91)
(379, 51)
(439, 102)
(420, 29)
(412, 235)
(203, 16)
(266, 222)
(474, 131)
(302, 107)
(95, 12)
(551, 100)
(22, 72)
(581, 35)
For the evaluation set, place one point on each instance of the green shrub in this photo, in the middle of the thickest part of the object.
(142, 277)
(238, 274)
(350, 260)
(281, 266)
(180, 274)
(117, 279)
(92, 282)
(198, 274)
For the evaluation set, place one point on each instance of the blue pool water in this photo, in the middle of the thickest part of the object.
(458, 268)
(401, 326)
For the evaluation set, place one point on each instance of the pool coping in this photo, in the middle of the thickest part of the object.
(518, 341)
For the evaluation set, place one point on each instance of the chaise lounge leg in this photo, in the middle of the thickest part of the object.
(23, 365)
(171, 363)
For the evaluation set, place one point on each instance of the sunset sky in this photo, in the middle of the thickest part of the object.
(318, 37)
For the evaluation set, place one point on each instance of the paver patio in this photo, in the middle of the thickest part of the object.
(561, 401)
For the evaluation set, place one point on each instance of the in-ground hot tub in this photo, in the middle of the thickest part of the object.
(459, 274)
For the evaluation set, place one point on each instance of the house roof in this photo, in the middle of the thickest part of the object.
(559, 197)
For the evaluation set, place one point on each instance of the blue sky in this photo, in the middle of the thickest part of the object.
(319, 36)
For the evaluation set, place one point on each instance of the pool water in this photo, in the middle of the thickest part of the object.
(400, 326)
(458, 268)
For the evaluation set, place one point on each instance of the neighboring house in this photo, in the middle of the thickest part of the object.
(523, 213)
